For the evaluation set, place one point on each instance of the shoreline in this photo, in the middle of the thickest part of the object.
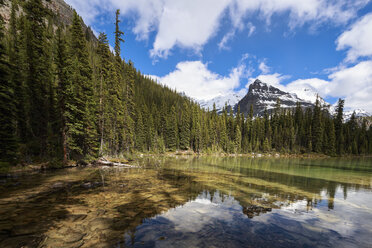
(107, 161)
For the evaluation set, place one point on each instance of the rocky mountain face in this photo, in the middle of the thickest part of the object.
(63, 14)
(263, 96)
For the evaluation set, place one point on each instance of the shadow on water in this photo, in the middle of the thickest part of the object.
(147, 206)
(37, 204)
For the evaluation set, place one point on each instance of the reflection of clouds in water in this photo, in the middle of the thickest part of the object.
(205, 222)
(350, 217)
(193, 216)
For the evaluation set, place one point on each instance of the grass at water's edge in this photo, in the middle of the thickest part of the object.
(6, 168)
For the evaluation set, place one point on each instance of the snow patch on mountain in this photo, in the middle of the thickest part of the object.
(231, 99)
(263, 95)
(359, 113)
(309, 95)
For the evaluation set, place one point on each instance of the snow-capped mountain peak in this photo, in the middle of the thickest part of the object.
(264, 96)
(310, 95)
(230, 99)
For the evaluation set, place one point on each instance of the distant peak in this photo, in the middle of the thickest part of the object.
(259, 86)
(258, 82)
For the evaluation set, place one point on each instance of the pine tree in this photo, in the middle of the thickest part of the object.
(118, 35)
(251, 112)
(185, 128)
(338, 122)
(37, 76)
(129, 108)
(17, 76)
(82, 132)
(140, 133)
(317, 128)
(8, 143)
(331, 138)
(223, 139)
(266, 146)
(63, 86)
(238, 140)
(353, 131)
(171, 135)
(104, 69)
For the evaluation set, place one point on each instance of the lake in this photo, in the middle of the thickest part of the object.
(192, 202)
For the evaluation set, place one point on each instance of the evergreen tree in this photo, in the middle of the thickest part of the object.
(338, 122)
(104, 69)
(37, 76)
(63, 87)
(266, 146)
(238, 140)
(185, 128)
(118, 35)
(17, 75)
(332, 139)
(317, 128)
(81, 132)
(171, 135)
(129, 108)
(8, 143)
(140, 133)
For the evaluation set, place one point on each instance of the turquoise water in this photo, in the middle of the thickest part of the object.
(193, 202)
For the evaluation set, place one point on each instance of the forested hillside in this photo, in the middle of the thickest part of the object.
(64, 96)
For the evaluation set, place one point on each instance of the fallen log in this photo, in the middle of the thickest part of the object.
(105, 162)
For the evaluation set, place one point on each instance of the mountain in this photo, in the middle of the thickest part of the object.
(310, 96)
(61, 12)
(359, 113)
(230, 99)
(263, 96)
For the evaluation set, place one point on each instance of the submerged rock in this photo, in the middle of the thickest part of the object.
(21, 241)
(100, 224)
(58, 185)
(254, 210)
(73, 237)
(90, 185)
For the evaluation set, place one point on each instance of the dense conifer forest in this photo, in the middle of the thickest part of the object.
(65, 96)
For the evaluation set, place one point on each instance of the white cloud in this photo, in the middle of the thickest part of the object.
(355, 84)
(264, 68)
(187, 24)
(274, 79)
(358, 39)
(251, 29)
(308, 89)
(226, 38)
(197, 81)
(222, 45)
(191, 23)
(352, 83)
(300, 12)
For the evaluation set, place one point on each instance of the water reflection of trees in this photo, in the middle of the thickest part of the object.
(132, 196)
(288, 180)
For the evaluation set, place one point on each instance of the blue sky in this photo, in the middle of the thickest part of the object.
(208, 48)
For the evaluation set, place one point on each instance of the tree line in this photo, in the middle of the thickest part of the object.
(65, 96)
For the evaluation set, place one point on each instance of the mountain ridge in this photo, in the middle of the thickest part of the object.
(63, 14)
(264, 96)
